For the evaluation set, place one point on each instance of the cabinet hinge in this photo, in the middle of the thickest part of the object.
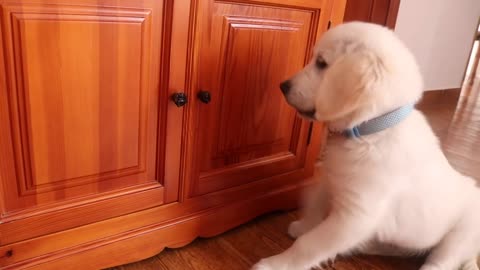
(310, 128)
(329, 24)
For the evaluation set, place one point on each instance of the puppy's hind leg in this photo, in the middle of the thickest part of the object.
(315, 208)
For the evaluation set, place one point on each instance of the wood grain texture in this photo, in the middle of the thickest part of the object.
(67, 241)
(136, 244)
(247, 132)
(89, 221)
(176, 61)
(244, 246)
(382, 12)
(80, 114)
(461, 141)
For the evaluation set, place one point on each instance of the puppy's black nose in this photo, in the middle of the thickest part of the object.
(285, 87)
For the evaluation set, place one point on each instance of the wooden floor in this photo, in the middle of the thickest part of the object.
(459, 130)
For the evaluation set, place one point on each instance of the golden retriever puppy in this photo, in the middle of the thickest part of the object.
(389, 188)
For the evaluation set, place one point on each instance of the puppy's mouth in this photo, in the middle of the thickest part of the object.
(310, 114)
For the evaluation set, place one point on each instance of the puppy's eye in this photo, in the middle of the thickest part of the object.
(320, 63)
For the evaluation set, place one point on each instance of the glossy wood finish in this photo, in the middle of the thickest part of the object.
(458, 129)
(147, 241)
(247, 132)
(240, 248)
(462, 140)
(80, 108)
(247, 200)
(382, 12)
(91, 217)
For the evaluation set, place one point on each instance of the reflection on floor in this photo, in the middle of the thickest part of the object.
(458, 127)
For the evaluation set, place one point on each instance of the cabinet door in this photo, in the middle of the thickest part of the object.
(244, 49)
(82, 111)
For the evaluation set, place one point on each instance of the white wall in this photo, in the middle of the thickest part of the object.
(440, 34)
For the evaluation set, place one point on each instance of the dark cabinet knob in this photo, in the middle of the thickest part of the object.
(180, 99)
(204, 96)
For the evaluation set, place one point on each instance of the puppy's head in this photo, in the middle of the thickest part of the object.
(358, 71)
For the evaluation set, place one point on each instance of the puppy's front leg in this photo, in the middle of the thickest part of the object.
(339, 233)
(315, 209)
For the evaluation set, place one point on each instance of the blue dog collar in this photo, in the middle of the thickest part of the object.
(380, 123)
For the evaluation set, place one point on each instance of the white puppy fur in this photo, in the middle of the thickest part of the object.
(389, 193)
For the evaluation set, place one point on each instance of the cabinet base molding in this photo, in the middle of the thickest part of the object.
(142, 243)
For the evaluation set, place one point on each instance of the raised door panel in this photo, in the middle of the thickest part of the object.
(244, 50)
(82, 106)
(82, 118)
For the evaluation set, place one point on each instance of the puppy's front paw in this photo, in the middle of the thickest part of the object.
(296, 229)
(272, 263)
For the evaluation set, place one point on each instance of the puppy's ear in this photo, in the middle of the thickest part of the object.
(349, 84)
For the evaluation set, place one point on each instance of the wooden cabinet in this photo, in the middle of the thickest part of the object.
(99, 167)
(80, 114)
